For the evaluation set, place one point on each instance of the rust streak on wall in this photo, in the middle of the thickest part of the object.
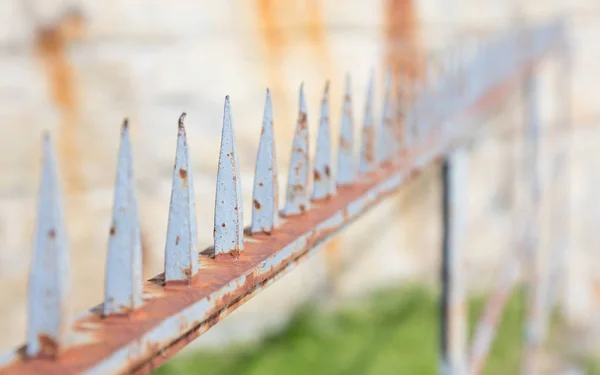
(402, 49)
(51, 43)
(273, 40)
(403, 55)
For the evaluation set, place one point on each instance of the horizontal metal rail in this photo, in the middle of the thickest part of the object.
(140, 325)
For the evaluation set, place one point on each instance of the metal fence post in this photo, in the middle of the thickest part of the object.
(532, 260)
(453, 309)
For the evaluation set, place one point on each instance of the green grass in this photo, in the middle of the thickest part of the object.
(391, 332)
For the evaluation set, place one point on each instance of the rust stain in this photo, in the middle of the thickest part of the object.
(403, 52)
(317, 175)
(183, 175)
(51, 44)
(285, 24)
(257, 204)
(112, 230)
(49, 348)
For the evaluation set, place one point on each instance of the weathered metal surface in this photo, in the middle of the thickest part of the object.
(123, 279)
(229, 224)
(297, 200)
(181, 250)
(49, 316)
(323, 181)
(346, 171)
(367, 151)
(174, 312)
(265, 197)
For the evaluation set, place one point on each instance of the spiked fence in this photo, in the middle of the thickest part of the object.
(140, 324)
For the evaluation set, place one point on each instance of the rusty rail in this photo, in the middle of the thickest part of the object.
(141, 324)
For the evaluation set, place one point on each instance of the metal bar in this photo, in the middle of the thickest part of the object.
(532, 259)
(485, 330)
(173, 313)
(453, 309)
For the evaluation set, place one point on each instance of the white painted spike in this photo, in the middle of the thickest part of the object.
(387, 140)
(123, 283)
(265, 216)
(323, 185)
(49, 278)
(229, 224)
(367, 154)
(181, 250)
(346, 165)
(297, 200)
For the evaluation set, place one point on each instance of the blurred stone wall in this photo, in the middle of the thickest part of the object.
(78, 67)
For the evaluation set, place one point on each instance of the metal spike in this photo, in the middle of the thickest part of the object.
(401, 109)
(181, 250)
(297, 190)
(229, 224)
(367, 154)
(123, 283)
(49, 278)
(265, 198)
(323, 185)
(345, 172)
(387, 145)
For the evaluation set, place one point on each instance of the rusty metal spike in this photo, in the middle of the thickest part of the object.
(402, 98)
(323, 185)
(367, 154)
(265, 198)
(181, 250)
(229, 223)
(123, 283)
(346, 172)
(297, 189)
(387, 145)
(49, 278)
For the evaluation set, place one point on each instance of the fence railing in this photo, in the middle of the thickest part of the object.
(141, 324)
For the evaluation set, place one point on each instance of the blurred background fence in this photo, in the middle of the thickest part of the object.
(78, 67)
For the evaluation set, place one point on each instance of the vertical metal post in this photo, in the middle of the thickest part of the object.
(453, 309)
(562, 214)
(532, 260)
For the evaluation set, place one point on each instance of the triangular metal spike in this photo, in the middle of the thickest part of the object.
(387, 145)
(323, 185)
(229, 223)
(181, 250)
(265, 198)
(123, 283)
(367, 152)
(402, 103)
(297, 189)
(49, 278)
(346, 171)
